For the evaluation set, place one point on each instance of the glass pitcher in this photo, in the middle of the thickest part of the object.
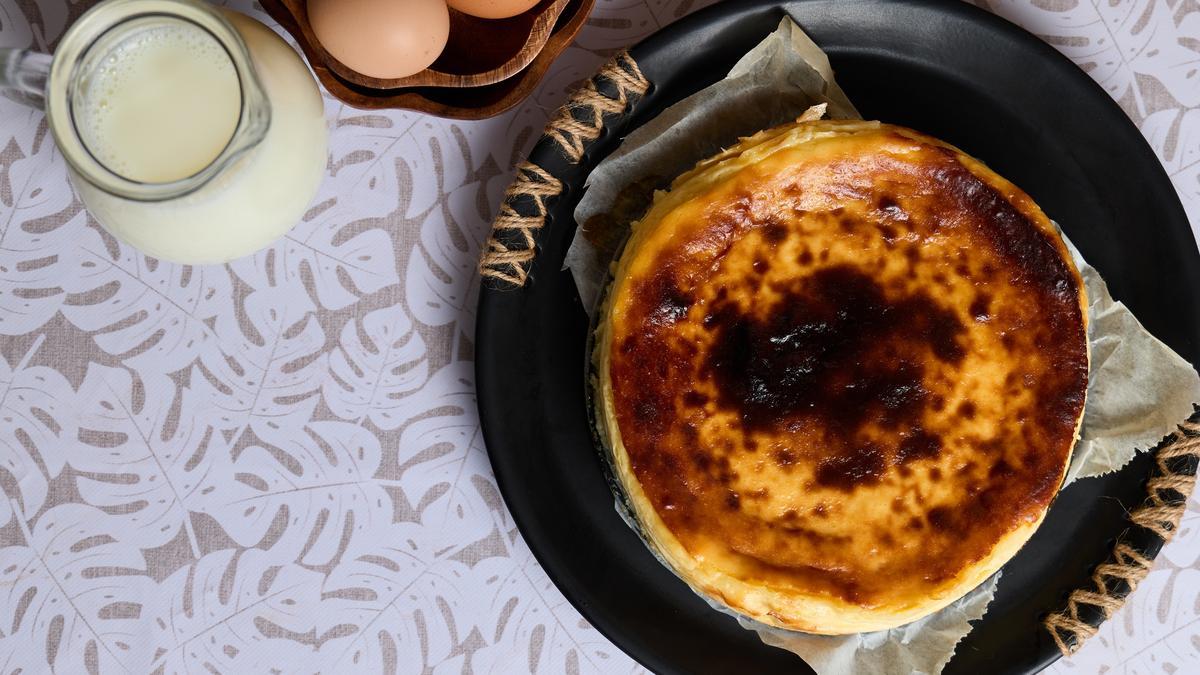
(241, 137)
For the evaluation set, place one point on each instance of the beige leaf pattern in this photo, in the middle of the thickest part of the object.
(275, 465)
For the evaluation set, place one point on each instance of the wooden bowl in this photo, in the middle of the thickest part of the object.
(488, 66)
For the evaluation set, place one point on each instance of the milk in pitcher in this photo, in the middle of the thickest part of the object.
(166, 106)
(191, 133)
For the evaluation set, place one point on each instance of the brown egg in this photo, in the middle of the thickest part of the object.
(381, 38)
(492, 9)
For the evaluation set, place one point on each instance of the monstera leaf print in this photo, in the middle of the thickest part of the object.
(145, 312)
(37, 225)
(401, 599)
(397, 584)
(1169, 611)
(538, 627)
(37, 422)
(341, 251)
(136, 463)
(479, 608)
(301, 495)
(378, 155)
(71, 596)
(227, 611)
(440, 449)
(333, 264)
(1125, 46)
(1175, 136)
(269, 374)
(337, 262)
(441, 266)
(380, 359)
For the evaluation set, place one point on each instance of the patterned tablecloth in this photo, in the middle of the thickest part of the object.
(275, 465)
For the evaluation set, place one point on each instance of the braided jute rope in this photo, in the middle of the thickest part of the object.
(510, 250)
(1115, 579)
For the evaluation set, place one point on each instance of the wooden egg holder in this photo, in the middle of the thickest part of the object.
(488, 66)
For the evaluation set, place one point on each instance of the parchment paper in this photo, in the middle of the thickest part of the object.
(1138, 389)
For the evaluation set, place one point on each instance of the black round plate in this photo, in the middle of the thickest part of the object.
(945, 68)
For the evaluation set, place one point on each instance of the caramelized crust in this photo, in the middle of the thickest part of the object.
(842, 370)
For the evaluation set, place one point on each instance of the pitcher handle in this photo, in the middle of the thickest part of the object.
(25, 72)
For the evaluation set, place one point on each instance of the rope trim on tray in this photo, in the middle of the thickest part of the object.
(509, 251)
(1115, 579)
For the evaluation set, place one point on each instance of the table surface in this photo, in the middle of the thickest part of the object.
(275, 465)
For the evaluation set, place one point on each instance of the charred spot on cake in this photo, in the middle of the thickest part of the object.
(669, 304)
(940, 518)
(725, 473)
(689, 349)
(1010, 233)
(962, 270)
(992, 446)
(733, 501)
(943, 329)
(761, 266)
(774, 231)
(694, 399)
(784, 457)
(818, 354)
(806, 257)
(935, 474)
(862, 465)
(629, 344)
(1061, 396)
(919, 444)
(966, 410)
(1001, 469)
(937, 403)
(660, 298)
(889, 234)
(646, 410)
(690, 433)
(1009, 342)
(980, 306)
